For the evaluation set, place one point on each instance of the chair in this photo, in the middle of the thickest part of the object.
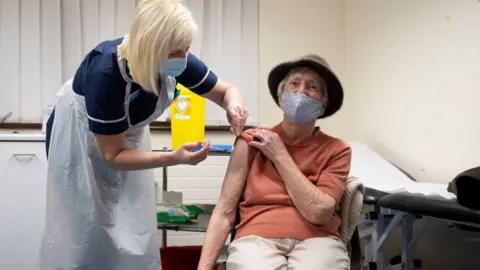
(350, 210)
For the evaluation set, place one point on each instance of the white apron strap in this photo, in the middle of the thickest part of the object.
(122, 65)
(164, 99)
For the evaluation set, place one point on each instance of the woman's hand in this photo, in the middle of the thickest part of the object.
(231, 100)
(270, 144)
(237, 117)
(185, 155)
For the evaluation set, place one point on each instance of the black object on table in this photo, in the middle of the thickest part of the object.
(429, 206)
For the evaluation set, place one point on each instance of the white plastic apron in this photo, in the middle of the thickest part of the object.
(98, 218)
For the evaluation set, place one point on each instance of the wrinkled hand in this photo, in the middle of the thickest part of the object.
(270, 144)
(185, 155)
(237, 117)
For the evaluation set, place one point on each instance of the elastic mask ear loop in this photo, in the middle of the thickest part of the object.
(324, 100)
(280, 89)
(325, 97)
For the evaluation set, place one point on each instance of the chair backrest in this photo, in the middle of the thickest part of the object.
(351, 207)
(350, 210)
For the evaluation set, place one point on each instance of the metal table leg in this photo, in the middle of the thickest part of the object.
(407, 235)
(164, 188)
(384, 233)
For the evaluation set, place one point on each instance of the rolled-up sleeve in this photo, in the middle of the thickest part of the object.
(197, 76)
(104, 100)
(333, 178)
(247, 136)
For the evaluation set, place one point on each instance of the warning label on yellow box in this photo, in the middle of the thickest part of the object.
(187, 115)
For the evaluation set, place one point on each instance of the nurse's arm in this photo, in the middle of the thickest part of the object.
(107, 120)
(201, 80)
(112, 149)
(225, 95)
(223, 216)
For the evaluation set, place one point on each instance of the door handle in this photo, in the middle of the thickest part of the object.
(24, 155)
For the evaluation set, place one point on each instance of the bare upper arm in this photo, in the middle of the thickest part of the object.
(218, 92)
(110, 146)
(235, 178)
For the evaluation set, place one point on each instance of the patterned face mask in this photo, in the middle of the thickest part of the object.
(299, 108)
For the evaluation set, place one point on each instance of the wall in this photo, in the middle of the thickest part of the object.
(307, 26)
(412, 71)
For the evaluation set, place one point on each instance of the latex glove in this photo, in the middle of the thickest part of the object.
(186, 155)
(237, 117)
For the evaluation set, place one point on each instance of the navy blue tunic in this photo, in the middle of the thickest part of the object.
(99, 80)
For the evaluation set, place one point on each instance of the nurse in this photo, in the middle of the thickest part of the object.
(100, 193)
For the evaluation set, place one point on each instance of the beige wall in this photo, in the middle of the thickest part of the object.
(411, 72)
(289, 29)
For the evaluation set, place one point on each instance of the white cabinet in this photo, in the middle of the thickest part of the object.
(23, 174)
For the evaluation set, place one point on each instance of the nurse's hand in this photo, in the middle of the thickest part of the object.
(186, 155)
(237, 117)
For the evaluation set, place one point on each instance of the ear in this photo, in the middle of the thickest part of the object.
(324, 105)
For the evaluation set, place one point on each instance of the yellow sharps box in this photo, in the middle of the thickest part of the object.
(187, 116)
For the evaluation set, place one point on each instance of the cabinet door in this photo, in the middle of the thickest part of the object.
(23, 170)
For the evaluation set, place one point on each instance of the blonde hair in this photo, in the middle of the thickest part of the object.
(159, 27)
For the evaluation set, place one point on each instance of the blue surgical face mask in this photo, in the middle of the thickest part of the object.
(173, 67)
(299, 108)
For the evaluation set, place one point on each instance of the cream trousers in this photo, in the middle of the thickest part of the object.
(253, 252)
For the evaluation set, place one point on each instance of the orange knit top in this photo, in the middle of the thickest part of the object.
(266, 209)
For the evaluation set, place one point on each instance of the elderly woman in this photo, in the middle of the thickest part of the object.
(287, 181)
